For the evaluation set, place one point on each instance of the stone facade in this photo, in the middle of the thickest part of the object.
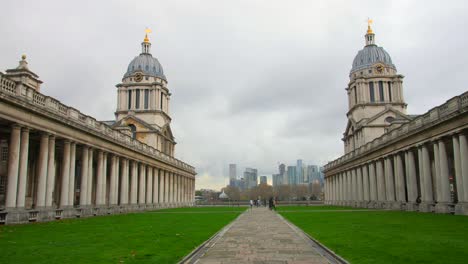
(56, 162)
(419, 164)
(375, 96)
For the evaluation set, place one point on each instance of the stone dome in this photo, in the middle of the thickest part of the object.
(147, 64)
(370, 55)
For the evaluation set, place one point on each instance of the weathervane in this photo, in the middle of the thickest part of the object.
(147, 30)
(369, 23)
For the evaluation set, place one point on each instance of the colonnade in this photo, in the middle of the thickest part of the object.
(83, 179)
(430, 176)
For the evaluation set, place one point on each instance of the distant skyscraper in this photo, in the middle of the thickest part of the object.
(263, 179)
(313, 173)
(250, 177)
(282, 169)
(277, 179)
(292, 176)
(232, 174)
(299, 175)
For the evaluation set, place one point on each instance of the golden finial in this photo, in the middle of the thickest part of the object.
(23, 56)
(147, 30)
(369, 23)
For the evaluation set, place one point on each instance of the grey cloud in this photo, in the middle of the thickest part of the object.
(253, 82)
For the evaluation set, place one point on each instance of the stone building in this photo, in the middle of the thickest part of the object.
(56, 162)
(393, 160)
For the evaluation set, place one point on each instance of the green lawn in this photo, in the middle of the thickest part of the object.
(284, 208)
(152, 237)
(388, 236)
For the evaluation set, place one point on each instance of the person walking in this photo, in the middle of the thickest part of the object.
(251, 204)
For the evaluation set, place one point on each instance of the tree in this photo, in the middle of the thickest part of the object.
(233, 192)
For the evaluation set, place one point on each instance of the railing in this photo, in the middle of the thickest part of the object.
(453, 105)
(3, 217)
(32, 216)
(58, 214)
(30, 95)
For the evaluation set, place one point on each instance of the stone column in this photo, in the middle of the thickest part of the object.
(64, 188)
(340, 188)
(372, 184)
(116, 182)
(381, 195)
(84, 176)
(155, 186)
(134, 182)
(71, 190)
(457, 167)
(176, 188)
(90, 177)
(464, 172)
(411, 182)
(436, 171)
(166, 187)
(443, 200)
(458, 177)
(124, 183)
(99, 178)
(42, 170)
(142, 185)
(104, 178)
(360, 187)
(180, 192)
(399, 180)
(113, 180)
(23, 168)
(13, 166)
(50, 185)
(350, 188)
(171, 188)
(162, 187)
(427, 196)
(365, 184)
(389, 184)
(149, 185)
(354, 193)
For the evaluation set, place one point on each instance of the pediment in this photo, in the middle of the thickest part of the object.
(141, 125)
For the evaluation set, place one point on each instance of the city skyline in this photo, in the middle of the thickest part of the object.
(244, 111)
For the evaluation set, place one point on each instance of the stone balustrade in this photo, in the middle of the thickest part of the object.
(47, 103)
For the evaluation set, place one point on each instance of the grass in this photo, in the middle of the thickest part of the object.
(152, 237)
(387, 236)
(285, 208)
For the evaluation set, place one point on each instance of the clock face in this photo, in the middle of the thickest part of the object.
(138, 77)
(379, 68)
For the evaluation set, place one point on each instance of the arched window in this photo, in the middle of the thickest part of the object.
(133, 129)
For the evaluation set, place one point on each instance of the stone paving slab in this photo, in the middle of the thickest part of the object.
(260, 236)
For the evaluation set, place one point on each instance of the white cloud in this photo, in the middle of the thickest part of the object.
(253, 82)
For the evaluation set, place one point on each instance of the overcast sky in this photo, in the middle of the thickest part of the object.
(252, 82)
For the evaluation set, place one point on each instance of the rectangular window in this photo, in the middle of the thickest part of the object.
(146, 98)
(390, 91)
(381, 94)
(355, 95)
(371, 92)
(130, 99)
(137, 99)
(161, 99)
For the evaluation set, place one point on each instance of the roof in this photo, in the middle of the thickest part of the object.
(147, 64)
(370, 55)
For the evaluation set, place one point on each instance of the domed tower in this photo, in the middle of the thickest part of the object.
(375, 95)
(143, 102)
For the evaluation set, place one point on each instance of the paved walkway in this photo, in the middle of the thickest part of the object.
(261, 236)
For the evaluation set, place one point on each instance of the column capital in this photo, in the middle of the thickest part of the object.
(16, 126)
